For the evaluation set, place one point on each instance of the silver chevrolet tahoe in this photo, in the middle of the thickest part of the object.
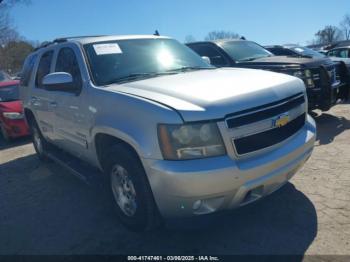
(175, 136)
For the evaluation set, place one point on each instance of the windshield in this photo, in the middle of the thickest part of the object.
(304, 51)
(134, 59)
(4, 76)
(245, 50)
(9, 93)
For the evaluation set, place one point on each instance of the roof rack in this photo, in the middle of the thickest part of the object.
(62, 40)
(65, 39)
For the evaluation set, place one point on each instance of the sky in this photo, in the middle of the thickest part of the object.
(263, 21)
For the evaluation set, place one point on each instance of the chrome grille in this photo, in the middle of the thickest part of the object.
(256, 128)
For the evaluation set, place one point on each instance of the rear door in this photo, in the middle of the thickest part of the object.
(40, 100)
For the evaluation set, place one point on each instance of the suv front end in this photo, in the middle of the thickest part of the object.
(262, 148)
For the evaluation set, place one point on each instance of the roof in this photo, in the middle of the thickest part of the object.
(340, 47)
(219, 41)
(87, 40)
(98, 38)
(273, 46)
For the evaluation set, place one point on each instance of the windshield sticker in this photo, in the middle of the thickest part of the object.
(107, 49)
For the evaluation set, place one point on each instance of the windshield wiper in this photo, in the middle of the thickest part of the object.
(137, 76)
(252, 58)
(189, 68)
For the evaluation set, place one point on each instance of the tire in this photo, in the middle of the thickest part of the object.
(5, 135)
(133, 198)
(40, 144)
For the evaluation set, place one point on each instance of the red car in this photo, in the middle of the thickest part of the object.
(12, 121)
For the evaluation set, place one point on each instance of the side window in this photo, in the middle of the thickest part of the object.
(343, 53)
(27, 70)
(334, 53)
(43, 68)
(216, 58)
(67, 62)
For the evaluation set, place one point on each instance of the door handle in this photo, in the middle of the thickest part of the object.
(35, 101)
(53, 104)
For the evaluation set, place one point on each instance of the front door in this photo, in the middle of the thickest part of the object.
(69, 102)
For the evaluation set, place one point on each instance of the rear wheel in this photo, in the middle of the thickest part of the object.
(39, 142)
(131, 191)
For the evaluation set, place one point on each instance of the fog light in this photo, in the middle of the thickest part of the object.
(197, 204)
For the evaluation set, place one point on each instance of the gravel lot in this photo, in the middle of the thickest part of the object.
(45, 210)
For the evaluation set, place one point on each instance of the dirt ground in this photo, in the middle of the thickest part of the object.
(46, 210)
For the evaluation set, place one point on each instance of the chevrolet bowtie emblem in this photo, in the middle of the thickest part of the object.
(281, 120)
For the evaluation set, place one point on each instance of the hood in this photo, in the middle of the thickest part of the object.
(286, 61)
(9, 83)
(212, 94)
(13, 106)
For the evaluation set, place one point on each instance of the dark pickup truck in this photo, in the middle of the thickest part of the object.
(326, 81)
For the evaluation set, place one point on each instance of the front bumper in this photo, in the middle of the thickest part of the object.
(195, 187)
(16, 128)
(324, 99)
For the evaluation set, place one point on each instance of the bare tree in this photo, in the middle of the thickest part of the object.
(13, 54)
(221, 34)
(7, 31)
(345, 26)
(328, 35)
(13, 49)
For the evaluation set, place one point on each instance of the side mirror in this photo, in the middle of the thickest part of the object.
(206, 59)
(58, 81)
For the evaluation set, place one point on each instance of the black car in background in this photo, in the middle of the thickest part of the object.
(326, 81)
(294, 50)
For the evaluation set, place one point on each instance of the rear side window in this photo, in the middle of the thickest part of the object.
(67, 62)
(216, 58)
(333, 53)
(43, 68)
(27, 70)
(344, 53)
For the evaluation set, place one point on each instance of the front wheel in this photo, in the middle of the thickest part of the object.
(131, 191)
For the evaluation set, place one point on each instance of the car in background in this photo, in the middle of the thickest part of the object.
(12, 121)
(175, 135)
(340, 54)
(294, 50)
(326, 81)
(4, 76)
(337, 55)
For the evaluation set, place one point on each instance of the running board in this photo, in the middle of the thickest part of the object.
(85, 172)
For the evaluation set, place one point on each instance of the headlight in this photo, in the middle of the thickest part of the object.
(190, 141)
(308, 73)
(298, 74)
(308, 79)
(305, 75)
(13, 115)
